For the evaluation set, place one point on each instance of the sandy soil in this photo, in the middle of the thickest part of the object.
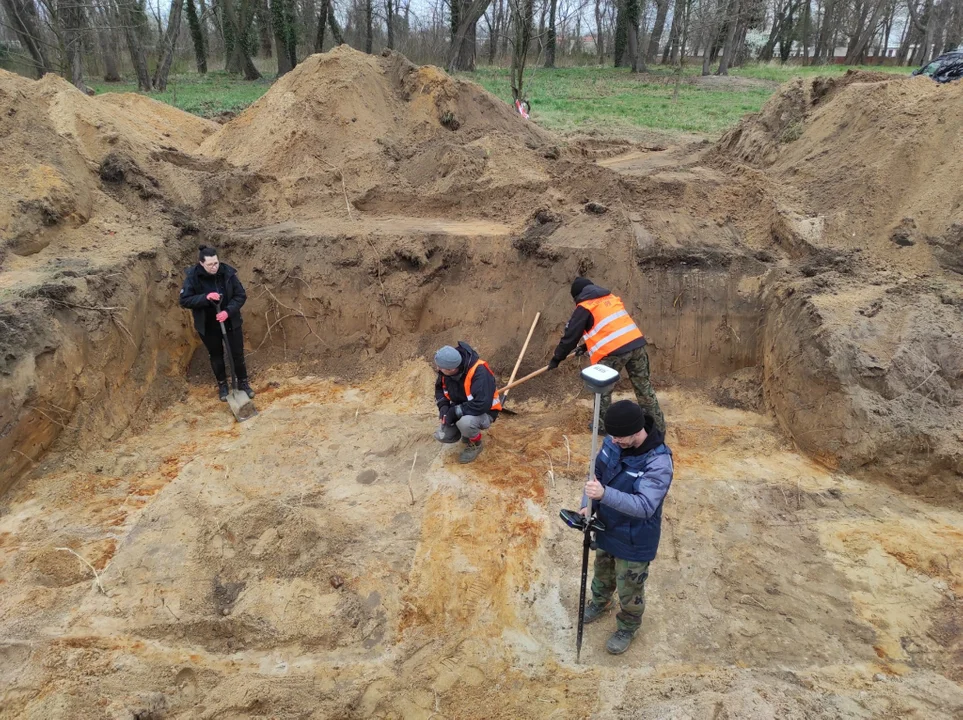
(279, 568)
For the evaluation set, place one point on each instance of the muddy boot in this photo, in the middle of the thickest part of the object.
(245, 386)
(447, 434)
(222, 391)
(593, 612)
(619, 642)
(471, 451)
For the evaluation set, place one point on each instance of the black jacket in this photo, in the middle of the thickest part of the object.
(581, 322)
(482, 387)
(198, 283)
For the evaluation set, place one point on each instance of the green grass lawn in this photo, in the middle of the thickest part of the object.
(205, 95)
(615, 100)
(610, 101)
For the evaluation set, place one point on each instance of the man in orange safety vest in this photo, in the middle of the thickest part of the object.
(466, 396)
(611, 338)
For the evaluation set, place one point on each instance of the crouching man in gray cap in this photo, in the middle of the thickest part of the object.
(467, 398)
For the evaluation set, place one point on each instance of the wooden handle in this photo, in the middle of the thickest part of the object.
(524, 379)
(522, 354)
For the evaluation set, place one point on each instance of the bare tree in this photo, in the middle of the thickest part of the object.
(197, 37)
(461, 53)
(523, 17)
(390, 23)
(285, 35)
(551, 40)
(24, 19)
(134, 21)
(163, 69)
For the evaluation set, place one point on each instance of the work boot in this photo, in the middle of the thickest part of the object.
(472, 451)
(245, 386)
(619, 642)
(447, 434)
(593, 612)
(222, 391)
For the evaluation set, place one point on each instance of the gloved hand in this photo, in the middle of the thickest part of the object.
(443, 411)
(451, 416)
(221, 316)
(552, 364)
(580, 351)
(214, 297)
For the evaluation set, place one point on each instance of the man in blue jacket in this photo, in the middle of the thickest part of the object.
(633, 472)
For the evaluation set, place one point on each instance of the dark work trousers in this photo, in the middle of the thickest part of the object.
(214, 342)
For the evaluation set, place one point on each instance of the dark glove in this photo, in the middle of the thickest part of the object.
(580, 351)
(451, 416)
(552, 364)
(443, 410)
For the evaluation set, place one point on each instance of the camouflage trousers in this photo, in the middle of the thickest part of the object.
(626, 576)
(636, 364)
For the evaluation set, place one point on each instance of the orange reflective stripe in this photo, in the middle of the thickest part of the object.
(612, 328)
(496, 401)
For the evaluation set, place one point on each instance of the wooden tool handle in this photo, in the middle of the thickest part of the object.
(524, 379)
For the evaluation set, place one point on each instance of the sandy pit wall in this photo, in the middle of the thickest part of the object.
(345, 306)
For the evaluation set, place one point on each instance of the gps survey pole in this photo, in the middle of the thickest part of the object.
(599, 379)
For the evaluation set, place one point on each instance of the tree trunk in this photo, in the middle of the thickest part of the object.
(806, 30)
(632, 33)
(729, 47)
(22, 15)
(163, 70)
(390, 21)
(108, 44)
(620, 54)
(238, 22)
(599, 32)
(322, 22)
(655, 37)
(551, 38)
(865, 31)
(368, 26)
(135, 23)
(336, 32)
(197, 38)
(285, 42)
(824, 42)
(463, 34)
(71, 17)
(673, 33)
(495, 32)
(265, 24)
(523, 22)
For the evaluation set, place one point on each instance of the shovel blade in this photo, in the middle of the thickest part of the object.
(241, 405)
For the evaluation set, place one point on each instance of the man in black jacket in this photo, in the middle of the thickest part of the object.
(466, 396)
(611, 338)
(210, 284)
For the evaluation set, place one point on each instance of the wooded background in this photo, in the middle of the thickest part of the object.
(147, 38)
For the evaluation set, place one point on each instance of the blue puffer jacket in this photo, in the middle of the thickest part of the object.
(631, 508)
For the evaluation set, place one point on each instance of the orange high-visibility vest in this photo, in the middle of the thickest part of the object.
(612, 328)
(496, 402)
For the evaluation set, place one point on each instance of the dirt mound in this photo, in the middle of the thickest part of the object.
(866, 172)
(55, 140)
(399, 135)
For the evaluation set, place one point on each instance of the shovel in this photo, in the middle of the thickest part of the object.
(237, 400)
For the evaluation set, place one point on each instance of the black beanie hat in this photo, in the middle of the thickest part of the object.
(625, 418)
(578, 285)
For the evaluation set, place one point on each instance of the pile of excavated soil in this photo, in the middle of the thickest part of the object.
(397, 136)
(864, 354)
